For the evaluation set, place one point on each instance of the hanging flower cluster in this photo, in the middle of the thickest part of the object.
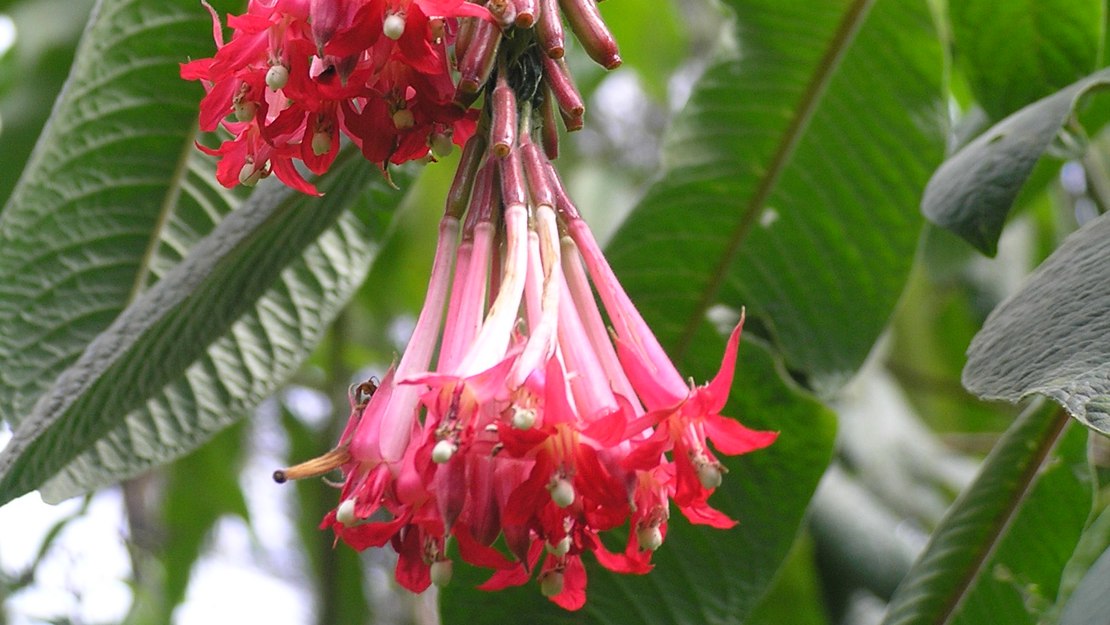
(524, 419)
(297, 73)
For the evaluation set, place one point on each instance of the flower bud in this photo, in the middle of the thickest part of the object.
(443, 451)
(403, 119)
(560, 548)
(562, 492)
(277, 77)
(393, 26)
(709, 475)
(321, 143)
(441, 572)
(650, 538)
(551, 583)
(244, 110)
(523, 418)
(248, 175)
(345, 513)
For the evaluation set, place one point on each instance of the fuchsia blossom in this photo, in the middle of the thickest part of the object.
(297, 74)
(523, 421)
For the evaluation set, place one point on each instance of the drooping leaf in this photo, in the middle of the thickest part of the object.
(791, 181)
(202, 346)
(998, 554)
(1050, 337)
(1016, 52)
(77, 230)
(701, 575)
(972, 192)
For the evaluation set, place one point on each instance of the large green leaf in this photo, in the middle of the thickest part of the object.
(1050, 337)
(702, 575)
(998, 555)
(208, 341)
(791, 181)
(74, 255)
(76, 233)
(972, 192)
(1019, 51)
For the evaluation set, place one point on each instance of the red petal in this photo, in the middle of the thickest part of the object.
(478, 554)
(719, 388)
(573, 596)
(731, 438)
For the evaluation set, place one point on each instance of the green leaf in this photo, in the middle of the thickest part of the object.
(972, 192)
(204, 344)
(701, 575)
(76, 233)
(1016, 52)
(32, 74)
(791, 182)
(998, 554)
(1090, 602)
(1050, 337)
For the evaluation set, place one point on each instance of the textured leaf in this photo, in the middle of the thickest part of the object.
(217, 334)
(998, 554)
(972, 192)
(791, 182)
(701, 575)
(1019, 51)
(1050, 337)
(76, 233)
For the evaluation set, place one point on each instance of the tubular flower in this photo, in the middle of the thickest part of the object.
(524, 420)
(298, 74)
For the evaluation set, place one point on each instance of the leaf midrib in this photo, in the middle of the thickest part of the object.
(1025, 483)
(815, 89)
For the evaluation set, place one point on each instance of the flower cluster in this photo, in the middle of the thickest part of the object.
(297, 73)
(524, 419)
(516, 412)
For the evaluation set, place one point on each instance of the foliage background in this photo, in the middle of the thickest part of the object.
(766, 154)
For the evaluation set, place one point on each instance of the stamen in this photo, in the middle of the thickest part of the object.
(316, 467)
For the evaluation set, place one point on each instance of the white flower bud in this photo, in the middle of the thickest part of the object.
(277, 77)
(443, 451)
(345, 514)
(403, 119)
(551, 583)
(244, 111)
(248, 175)
(650, 538)
(441, 145)
(523, 418)
(562, 493)
(560, 548)
(321, 143)
(441, 572)
(393, 26)
(709, 475)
